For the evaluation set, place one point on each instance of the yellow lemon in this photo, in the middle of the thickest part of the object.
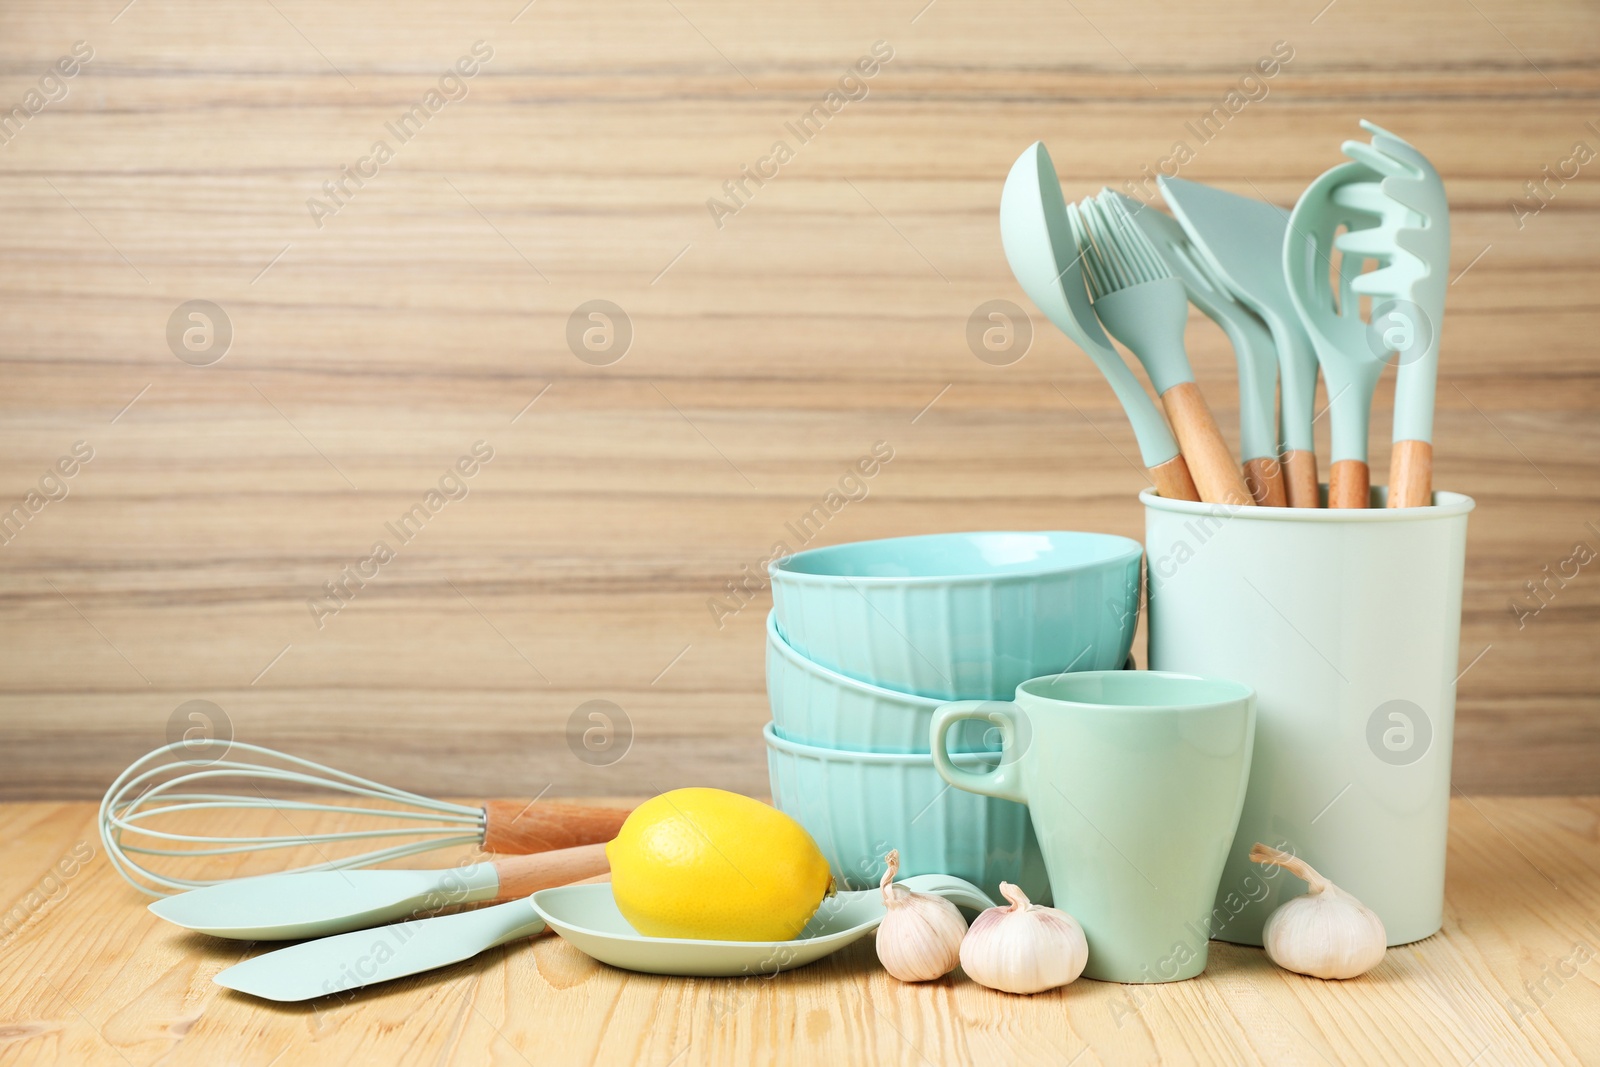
(706, 863)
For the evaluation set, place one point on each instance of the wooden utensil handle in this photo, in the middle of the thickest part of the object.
(1349, 484)
(520, 827)
(1215, 472)
(1173, 480)
(1411, 474)
(1300, 479)
(1264, 478)
(521, 875)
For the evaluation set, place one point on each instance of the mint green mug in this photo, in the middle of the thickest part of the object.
(1134, 781)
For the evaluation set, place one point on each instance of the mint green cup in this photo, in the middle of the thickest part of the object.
(956, 616)
(1134, 781)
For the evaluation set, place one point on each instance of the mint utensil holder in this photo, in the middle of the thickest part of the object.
(1347, 624)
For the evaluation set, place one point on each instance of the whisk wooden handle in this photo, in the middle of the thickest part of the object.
(520, 827)
(521, 875)
(1215, 471)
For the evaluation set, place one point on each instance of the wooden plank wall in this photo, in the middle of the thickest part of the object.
(376, 336)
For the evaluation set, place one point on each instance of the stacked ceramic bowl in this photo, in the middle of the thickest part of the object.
(867, 639)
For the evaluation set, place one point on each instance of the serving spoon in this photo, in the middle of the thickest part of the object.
(1039, 246)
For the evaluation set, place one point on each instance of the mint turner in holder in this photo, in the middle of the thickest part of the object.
(1241, 238)
(1252, 347)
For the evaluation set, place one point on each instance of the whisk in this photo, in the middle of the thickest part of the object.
(162, 783)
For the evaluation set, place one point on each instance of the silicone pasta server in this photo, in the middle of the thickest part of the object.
(1242, 239)
(1416, 230)
(1351, 363)
(1144, 306)
(1252, 348)
(1040, 249)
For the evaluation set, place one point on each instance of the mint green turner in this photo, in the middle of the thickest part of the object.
(1242, 238)
(585, 916)
(1252, 347)
(1040, 248)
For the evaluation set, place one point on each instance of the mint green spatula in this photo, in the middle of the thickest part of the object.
(584, 915)
(297, 904)
(1257, 360)
(1242, 239)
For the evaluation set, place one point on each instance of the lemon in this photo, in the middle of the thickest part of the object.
(706, 863)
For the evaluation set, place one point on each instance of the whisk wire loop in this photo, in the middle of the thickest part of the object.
(149, 789)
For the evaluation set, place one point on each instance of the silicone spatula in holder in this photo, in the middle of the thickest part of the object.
(1257, 360)
(1241, 238)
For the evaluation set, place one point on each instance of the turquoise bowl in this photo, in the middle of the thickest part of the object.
(859, 805)
(961, 616)
(815, 706)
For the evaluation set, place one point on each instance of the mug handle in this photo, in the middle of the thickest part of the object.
(1005, 781)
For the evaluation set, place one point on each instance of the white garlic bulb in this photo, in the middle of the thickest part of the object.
(920, 937)
(1026, 948)
(1327, 933)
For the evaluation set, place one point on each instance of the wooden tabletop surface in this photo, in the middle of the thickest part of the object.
(88, 976)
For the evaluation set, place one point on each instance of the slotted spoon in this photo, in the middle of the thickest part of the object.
(1350, 361)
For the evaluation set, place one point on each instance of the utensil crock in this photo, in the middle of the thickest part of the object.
(1347, 624)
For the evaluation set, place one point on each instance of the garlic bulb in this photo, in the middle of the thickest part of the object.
(1327, 933)
(920, 938)
(1025, 948)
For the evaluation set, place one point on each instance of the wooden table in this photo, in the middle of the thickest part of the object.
(90, 977)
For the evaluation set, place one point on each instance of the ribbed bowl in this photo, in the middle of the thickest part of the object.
(816, 706)
(859, 805)
(964, 615)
